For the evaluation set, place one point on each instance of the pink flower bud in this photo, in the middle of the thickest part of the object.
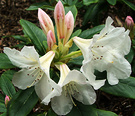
(129, 22)
(7, 99)
(45, 21)
(69, 25)
(50, 39)
(59, 16)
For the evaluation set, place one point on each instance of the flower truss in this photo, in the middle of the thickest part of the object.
(104, 52)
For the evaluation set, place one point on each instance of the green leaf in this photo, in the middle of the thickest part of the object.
(22, 103)
(4, 114)
(87, 110)
(73, 9)
(2, 103)
(87, 34)
(112, 2)
(2, 99)
(129, 4)
(36, 35)
(2, 107)
(5, 63)
(9, 74)
(92, 13)
(51, 113)
(6, 85)
(130, 55)
(125, 88)
(88, 2)
(77, 60)
(76, 33)
(40, 5)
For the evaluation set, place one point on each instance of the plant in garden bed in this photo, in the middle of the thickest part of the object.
(45, 66)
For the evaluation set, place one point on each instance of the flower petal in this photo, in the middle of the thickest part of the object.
(45, 21)
(75, 76)
(26, 78)
(47, 89)
(121, 69)
(86, 94)
(64, 70)
(88, 70)
(23, 58)
(61, 105)
(84, 45)
(45, 62)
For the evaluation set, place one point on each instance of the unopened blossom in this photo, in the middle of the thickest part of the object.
(34, 69)
(45, 22)
(59, 16)
(69, 26)
(50, 39)
(129, 22)
(73, 84)
(106, 51)
(7, 99)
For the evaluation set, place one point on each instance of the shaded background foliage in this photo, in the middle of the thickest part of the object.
(88, 14)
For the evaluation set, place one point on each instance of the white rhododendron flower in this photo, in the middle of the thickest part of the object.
(73, 84)
(33, 69)
(106, 51)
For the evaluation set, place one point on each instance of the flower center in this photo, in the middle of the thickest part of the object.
(69, 90)
(97, 56)
(37, 73)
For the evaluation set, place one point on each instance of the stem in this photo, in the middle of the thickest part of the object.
(71, 55)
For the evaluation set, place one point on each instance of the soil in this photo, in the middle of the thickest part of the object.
(14, 10)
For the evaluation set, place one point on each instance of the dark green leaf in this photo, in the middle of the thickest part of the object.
(9, 74)
(51, 113)
(2, 107)
(36, 35)
(39, 5)
(129, 4)
(87, 34)
(5, 63)
(93, 12)
(72, 9)
(76, 33)
(77, 61)
(112, 2)
(4, 114)
(74, 112)
(87, 110)
(88, 2)
(125, 88)
(130, 55)
(2, 99)
(20, 38)
(22, 102)
(6, 85)
(2, 103)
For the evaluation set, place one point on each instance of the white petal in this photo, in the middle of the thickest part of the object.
(75, 76)
(61, 105)
(27, 57)
(45, 61)
(64, 70)
(121, 69)
(26, 78)
(46, 91)
(88, 71)
(84, 45)
(86, 94)
(43, 88)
